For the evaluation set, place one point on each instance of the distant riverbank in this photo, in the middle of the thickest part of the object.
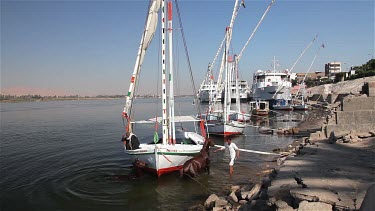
(38, 98)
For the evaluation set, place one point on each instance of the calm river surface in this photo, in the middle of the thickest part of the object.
(67, 155)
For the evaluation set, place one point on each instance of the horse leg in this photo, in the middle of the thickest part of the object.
(181, 172)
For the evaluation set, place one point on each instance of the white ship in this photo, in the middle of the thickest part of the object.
(272, 85)
(207, 91)
(243, 90)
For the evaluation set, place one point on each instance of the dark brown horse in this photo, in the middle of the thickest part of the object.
(198, 163)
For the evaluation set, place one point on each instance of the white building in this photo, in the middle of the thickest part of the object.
(332, 68)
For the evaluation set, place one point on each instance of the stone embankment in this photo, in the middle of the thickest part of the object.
(330, 168)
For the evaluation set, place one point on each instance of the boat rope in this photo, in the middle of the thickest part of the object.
(255, 29)
(205, 187)
(303, 81)
(291, 69)
(187, 55)
(252, 151)
(157, 148)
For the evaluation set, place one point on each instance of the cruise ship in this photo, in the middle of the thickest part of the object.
(272, 85)
(244, 91)
(206, 90)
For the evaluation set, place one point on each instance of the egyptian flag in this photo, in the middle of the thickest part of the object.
(243, 4)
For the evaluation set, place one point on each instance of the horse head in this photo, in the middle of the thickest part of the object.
(207, 144)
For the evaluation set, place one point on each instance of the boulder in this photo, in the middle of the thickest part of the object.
(232, 196)
(210, 201)
(283, 206)
(314, 206)
(254, 192)
(221, 202)
(315, 195)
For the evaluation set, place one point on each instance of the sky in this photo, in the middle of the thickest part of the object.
(89, 47)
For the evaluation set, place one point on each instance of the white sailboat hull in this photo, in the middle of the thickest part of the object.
(226, 129)
(161, 159)
(240, 117)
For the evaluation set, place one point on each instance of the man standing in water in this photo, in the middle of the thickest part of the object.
(234, 153)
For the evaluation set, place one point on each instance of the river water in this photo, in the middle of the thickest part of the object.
(67, 155)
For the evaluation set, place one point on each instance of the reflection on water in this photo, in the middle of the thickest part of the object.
(67, 155)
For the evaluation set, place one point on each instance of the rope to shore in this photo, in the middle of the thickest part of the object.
(206, 188)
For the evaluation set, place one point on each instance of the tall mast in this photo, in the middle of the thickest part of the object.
(228, 38)
(226, 84)
(163, 75)
(238, 102)
(291, 69)
(148, 34)
(303, 52)
(255, 29)
(303, 81)
(172, 132)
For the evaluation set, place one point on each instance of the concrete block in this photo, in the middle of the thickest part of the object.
(358, 103)
(371, 92)
(345, 118)
(363, 117)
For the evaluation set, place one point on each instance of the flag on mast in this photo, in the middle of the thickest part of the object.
(243, 3)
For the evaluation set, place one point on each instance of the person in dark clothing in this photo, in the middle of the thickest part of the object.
(131, 141)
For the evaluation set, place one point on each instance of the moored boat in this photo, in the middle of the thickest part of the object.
(259, 108)
(175, 147)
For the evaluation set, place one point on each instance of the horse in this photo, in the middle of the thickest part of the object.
(198, 163)
(136, 172)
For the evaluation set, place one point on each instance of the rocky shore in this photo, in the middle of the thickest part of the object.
(320, 170)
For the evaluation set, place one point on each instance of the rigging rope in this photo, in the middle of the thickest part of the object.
(187, 54)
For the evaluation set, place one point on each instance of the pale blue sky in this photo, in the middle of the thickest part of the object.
(89, 47)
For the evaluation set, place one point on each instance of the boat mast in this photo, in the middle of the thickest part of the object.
(304, 78)
(172, 126)
(238, 102)
(291, 69)
(163, 75)
(148, 34)
(227, 38)
(226, 83)
(255, 29)
(212, 99)
(303, 52)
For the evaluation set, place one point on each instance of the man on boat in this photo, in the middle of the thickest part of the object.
(130, 141)
(234, 153)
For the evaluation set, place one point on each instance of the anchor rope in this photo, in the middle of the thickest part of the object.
(205, 187)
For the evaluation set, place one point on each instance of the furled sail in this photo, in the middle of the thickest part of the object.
(148, 34)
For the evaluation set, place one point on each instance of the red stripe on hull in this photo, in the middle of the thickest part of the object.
(231, 133)
(162, 171)
(168, 170)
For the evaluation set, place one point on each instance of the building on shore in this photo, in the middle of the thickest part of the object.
(332, 68)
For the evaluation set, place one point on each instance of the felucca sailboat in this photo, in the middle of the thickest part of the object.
(175, 147)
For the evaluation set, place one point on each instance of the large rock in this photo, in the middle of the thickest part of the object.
(210, 201)
(233, 196)
(254, 192)
(283, 206)
(315, 195)
(314, 206)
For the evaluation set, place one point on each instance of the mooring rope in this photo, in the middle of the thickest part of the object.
(206, 188)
